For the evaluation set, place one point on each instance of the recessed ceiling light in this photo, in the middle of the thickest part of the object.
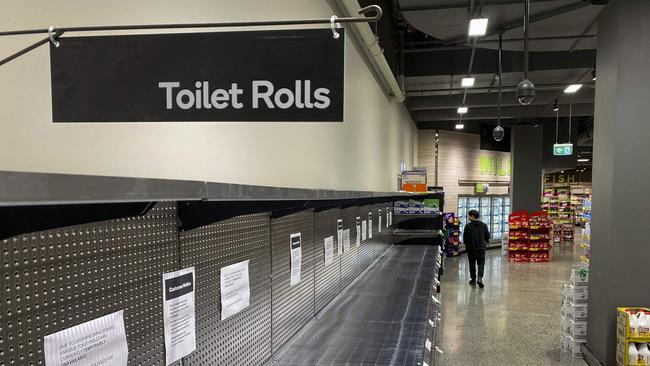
(462, 110)
(478, 27)
(460, 126)
(467, 82)
(583, 160)
(572, 88)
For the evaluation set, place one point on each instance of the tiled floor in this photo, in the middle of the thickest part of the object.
(514, 320)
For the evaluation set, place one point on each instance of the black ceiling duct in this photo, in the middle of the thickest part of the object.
(526, 89)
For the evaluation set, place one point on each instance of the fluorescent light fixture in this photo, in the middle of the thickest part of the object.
(460, 126)
(583, 160)
(572, 88)
(556, 108)
(478, 27)
(467, 82)
(462, 110)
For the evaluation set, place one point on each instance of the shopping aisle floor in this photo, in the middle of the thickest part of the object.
(514, 320)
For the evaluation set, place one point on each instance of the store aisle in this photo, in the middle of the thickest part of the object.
(514, 320)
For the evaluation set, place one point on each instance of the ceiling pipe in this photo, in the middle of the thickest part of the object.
(526, 89)
(370, 44)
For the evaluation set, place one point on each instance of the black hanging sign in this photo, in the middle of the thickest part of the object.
(278, 75)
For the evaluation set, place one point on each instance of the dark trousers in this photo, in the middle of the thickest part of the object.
(476, 258)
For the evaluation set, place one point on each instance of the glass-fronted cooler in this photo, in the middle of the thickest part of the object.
(494, 212)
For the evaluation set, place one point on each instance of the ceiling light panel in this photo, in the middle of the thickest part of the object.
(467, 82)
(572, 88)
(478, 27)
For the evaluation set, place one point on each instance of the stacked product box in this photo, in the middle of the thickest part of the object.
(632, 336)
(452, 228)
(519, 235)
(574, 312)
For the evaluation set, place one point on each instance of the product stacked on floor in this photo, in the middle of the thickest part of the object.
(540, 237)
(632, 336)
(519, 237)
(574, 312)
(585, 238)
(452, 237)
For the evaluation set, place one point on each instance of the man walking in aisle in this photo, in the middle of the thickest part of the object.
(476, 236)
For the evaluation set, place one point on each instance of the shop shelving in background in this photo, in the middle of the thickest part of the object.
(494, 211)
(452, 240)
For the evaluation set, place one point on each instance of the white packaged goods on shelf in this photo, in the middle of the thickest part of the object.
(578, 294)
(578, 331)
(575, 347)
(565, 291)
(577, 312)
(566, 343)
(565, 325)
(577, 279)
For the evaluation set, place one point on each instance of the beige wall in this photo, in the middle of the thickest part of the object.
(362, 153)
(459, 158)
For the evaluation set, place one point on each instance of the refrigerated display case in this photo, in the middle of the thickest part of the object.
(494, 210)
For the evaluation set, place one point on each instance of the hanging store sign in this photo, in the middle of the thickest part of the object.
(279, 75)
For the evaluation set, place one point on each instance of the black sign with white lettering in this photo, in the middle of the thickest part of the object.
(179, 286)
(279, 75)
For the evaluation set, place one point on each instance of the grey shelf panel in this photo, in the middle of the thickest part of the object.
(381, 319)
(24, 188)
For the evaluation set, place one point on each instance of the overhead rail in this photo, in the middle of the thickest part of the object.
(54, 33)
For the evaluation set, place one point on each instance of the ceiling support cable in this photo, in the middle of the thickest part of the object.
(54, 33)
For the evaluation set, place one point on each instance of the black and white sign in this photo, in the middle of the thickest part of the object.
(369, 225)
(339, 235)
(329, 250)
(276, 75)
(235, 289)
(100, 342)
(364, 230)
(296, 258)
(179, 314)
(358, 222)
(346, 240)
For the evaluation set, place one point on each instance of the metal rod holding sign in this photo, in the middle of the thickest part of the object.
(55, 33)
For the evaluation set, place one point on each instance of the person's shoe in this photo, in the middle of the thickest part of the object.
(472, 283)
(480, 283)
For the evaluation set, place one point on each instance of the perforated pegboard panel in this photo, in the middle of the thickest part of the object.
(55, 279)
(292, 306)
(366, 249)
(350, 267)
(328, 279)
(244, 338)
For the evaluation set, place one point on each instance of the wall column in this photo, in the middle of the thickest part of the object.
(526, 168)
(620, 268)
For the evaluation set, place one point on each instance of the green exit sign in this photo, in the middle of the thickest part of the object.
(562, 149)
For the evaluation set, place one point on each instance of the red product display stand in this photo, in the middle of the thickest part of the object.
(519, 237)
(530, 237)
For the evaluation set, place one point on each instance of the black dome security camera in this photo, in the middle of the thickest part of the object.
(526, 92)
(498, 133)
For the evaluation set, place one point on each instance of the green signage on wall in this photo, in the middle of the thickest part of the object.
(495, 166)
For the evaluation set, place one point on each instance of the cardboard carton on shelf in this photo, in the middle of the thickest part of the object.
(578, 294)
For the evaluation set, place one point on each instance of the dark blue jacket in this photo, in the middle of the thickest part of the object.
(476, 236)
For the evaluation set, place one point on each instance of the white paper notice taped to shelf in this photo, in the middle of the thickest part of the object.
(358, 230)
(296, 258)
(329, 250)
(387, 219)
(390, 218)
(379, 226)
(364, 226)
(235, 289)
(339, 235)
(346, 240)
(369, 225)
(179, 316)
(100, 342)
